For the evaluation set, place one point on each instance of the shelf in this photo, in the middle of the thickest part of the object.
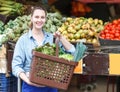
(99, 64)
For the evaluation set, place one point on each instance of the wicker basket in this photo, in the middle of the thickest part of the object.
(51, 71)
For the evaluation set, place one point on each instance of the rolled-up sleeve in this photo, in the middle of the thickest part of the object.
(18, 59)
(71, 51)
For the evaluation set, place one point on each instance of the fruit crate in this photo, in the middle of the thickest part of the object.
(9, 56)
(51, 70)
(107, 42)
(109, 46)
(8, 84)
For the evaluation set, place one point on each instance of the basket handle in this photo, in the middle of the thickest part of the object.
(57, 46)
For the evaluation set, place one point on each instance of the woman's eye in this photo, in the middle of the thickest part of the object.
(36, 16)
(42, 17)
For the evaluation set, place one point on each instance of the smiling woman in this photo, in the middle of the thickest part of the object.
(36, 36)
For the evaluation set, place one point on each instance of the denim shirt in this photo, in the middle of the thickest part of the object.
(22, 56)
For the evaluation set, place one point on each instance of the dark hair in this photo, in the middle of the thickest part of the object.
(35, 8)
(38, 7)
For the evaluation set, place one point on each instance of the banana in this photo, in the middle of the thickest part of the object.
(7, 2)
(11, 7)
(5, 5)
(5, 12)
(5, 9)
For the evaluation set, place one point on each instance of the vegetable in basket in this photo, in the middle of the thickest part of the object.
(50, 50)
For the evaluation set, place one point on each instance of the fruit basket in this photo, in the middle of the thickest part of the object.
(51, 70)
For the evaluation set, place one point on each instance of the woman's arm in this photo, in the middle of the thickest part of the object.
(66, 44)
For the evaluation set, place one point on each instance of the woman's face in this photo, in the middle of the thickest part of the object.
(38, 19)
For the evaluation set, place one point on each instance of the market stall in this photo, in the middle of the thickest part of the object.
(101, 58)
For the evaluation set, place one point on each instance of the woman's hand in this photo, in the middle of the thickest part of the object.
(25, 78)
(67, 45)
(33, 84)
(57, 34)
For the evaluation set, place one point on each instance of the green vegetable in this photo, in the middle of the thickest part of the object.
(80, 51)
(46, 49)
(1, 27)
(66, 56)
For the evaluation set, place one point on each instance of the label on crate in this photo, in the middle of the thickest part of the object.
(114, 64)
(78, 69)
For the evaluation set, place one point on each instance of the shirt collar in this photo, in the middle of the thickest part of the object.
(31, 35)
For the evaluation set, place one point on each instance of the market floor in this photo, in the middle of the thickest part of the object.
(100, 85)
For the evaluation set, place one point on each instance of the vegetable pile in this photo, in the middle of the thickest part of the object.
(51, 50)
(8, 7)
(54, 21)
(1, 27)
(111, 30)
(15, 28)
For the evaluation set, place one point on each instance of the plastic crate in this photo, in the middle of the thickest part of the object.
(8, 84)
(110, 46)
(51, 71)
(9, 56)
(106, 42)
(10, 45)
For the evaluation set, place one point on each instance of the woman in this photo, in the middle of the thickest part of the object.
(23, 50)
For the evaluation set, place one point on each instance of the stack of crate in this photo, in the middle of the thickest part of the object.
(8, 84)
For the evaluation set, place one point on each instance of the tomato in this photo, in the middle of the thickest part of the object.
(115, 21)
(112, 36)
(117, 31)
(111, 30)
(107, 37)
(117, 34)
(102, 35)
(118, 20)
(106, 31)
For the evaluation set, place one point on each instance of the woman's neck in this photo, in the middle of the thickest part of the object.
(37, 32)
(38, 36)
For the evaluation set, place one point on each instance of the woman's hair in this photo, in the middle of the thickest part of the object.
(40, 7)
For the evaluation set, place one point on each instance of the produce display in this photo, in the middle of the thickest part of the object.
(111, 30)
(74, 29)
(54, 21)
(8, 7)
(80, 28)
(15, 28)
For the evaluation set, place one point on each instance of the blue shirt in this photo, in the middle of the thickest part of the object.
(22, 57)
